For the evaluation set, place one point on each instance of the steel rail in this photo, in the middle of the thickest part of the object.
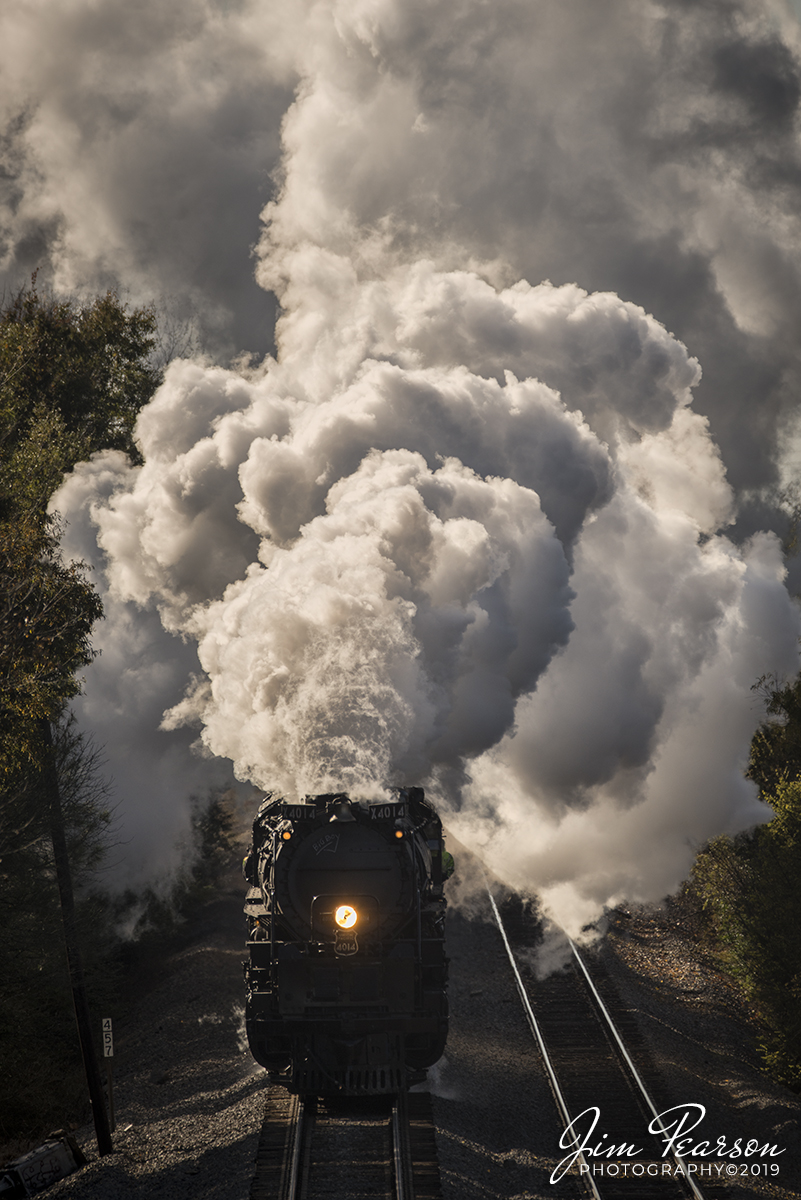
(561, 1103)
(401, 1149)
(299, 1163)
(635, 1075)
(295, 1179)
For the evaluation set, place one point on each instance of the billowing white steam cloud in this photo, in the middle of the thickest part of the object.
(463, 529)
(402, 571)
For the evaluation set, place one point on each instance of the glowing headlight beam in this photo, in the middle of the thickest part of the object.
(346, 916)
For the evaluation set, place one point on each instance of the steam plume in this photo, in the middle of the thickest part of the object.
(458, 580)
(466, 528)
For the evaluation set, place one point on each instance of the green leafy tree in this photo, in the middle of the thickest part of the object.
(776, 746)
(72, 379)
(84, 371)
(47, 610)
(751, 887)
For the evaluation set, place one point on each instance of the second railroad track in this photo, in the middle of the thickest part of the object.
(603, 1101)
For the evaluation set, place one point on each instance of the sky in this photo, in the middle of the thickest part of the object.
(477, 473)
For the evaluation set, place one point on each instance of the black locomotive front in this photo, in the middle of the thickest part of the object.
(346, 980)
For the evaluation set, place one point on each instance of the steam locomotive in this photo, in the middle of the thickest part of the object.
(347, 974)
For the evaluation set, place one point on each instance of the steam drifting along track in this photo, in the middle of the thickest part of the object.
(315, 1148)
(589, 1066)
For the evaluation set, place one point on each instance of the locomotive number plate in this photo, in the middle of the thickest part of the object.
(296, 812)
(346, 943)
(387, 812)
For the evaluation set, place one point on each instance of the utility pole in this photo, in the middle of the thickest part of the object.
(74, 964)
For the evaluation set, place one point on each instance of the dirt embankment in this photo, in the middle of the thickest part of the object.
(188, 1095)
(701, 1036)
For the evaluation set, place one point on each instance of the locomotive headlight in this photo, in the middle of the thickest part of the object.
(346, 916)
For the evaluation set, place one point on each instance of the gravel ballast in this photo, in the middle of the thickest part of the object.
(188, 1096)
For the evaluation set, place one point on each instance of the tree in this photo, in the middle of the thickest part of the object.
(775, 756)
(41, 1084)
(751, 887)
(72, 380)
(84, 368)
(47, 610)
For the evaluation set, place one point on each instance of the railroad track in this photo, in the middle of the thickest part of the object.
(605, 1107)
(322, 1148)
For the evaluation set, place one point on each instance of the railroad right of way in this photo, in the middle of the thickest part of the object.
(192, 1104)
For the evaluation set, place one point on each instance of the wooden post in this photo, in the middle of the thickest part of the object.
(74, 963)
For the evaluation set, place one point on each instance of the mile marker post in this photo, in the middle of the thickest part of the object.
(108, 1054)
